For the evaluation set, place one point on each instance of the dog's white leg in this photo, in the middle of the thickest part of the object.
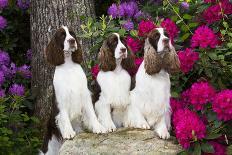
(135, 119)
(64, 125)
(161, 127)
(53, 146)
(90, 118)
(103, 112)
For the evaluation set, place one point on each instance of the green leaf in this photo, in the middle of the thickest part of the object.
(229, 45)
(197, 149)
(213, 136)
(206, 147)
(184, 28)
(225, 24)
(179, 21)
(185, 36)
(182, 153)
(229, 149)
(133, 33)
(187, 16)
(122, 32)
(212, 55)
(191, 25)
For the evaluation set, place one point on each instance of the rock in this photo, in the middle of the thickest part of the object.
(123, 141)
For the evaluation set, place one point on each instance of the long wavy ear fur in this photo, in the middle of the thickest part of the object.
(77, 55)
(171, 61)
(106, 58)
(54, 53)
(129, 62)
(152, 60)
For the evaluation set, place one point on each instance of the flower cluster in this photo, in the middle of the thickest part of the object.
(187, 59)
(134, 44)
(188, 127)
(128, 25)
(200, 94)
(222, 105)
(204, 37)
(23, 4)
(170, 27)
(95, 70)
(145, 26)
(176, 104)
(17, 89)
(3, 4)
(216, 12)
(126, 9)
(3, 23)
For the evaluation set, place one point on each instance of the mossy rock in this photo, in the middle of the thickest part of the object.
(123, 141)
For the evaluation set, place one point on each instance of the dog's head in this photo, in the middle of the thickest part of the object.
(113, 52)
(63, 43)
(159, 53)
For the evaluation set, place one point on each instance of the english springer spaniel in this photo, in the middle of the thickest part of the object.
(151, 95)
(72, 98)
(114, 82)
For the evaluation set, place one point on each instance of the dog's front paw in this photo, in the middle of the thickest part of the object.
(137, 124)
(109, 125)
(163, 133)
(69, 134)
(98, 128)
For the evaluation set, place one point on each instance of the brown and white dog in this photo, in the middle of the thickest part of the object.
(151, 95)
(114, 82)
(72, 99)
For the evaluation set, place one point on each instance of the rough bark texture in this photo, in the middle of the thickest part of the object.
(123, 141)
(46, 17)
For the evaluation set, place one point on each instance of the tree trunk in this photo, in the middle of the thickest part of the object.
(46, 17)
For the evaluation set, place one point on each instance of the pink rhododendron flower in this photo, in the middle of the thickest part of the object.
(95, 70)
(170, 27)
(145, 26)
(222, 105)
(176, 104)
(135, 45)
(188, 126)
(138, 62)
(204, 37)
(187, 59)
(200, 94)
(214, 13)
(219, 149)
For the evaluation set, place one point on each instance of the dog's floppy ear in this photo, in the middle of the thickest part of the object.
(77, 55)
(152, 60)
(54, 53)
(106, 58)
(129, 62)
(171, 61)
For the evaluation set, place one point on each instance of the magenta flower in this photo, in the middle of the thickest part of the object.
(10, 71)
(187, 59)
(204, 37)
(134, 45)
(145, 26)
(95, 70)
(24, 71)
(17, 89)
(188, 127)
(3, 4)
(176, 104)
(222, 105)
(170, 27)
(3, 23)
(219, 149)
(200, 94)
(214, 13)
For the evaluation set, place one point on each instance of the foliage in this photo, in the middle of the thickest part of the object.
(201, 33)
(18, 134)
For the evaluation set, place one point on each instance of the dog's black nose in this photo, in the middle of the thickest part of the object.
(123, 50)
(166, 41)
(71, 41)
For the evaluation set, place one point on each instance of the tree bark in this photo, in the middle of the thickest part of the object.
(46, 17)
